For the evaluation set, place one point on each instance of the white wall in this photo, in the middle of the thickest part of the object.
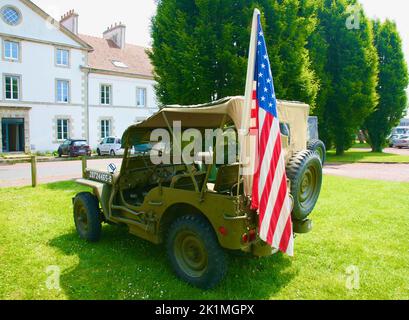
(38, 41)
(123, 110)
(124, 90)
(38, 72)
(34, 26)
(43, 125)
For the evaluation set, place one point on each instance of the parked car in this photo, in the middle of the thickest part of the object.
(397, 134)
(74, 148)
(392, 139)
(110, 146)
(142, 149)
(402, 142)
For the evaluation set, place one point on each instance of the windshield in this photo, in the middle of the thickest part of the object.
(402, 131)
(80, 143)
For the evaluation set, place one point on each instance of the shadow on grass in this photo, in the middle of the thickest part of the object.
(122, 266)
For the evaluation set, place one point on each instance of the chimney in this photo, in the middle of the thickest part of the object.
(116, 33)
(70, 21)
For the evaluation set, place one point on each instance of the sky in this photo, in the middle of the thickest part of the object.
(97, 15)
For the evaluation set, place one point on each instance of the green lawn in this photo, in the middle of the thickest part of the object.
(356, 223)
(361, 145)
(354, 155)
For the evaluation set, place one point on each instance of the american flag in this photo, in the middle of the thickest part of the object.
(270, 194)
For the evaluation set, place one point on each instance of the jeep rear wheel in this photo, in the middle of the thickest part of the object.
(195, 253)
(87, 216)
(319, 147)
(305, 173)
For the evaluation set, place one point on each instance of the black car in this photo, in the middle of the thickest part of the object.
(74, 148)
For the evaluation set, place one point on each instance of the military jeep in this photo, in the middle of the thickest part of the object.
(199, 210)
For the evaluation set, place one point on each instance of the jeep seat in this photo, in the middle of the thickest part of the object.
(185, 182)
(227, 176)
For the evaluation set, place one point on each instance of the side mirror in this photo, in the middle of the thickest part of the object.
(112, 168)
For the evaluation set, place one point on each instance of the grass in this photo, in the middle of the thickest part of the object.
(355, 155)
(356, 223)
(361, 145)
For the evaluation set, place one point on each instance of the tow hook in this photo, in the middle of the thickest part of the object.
(304, 226)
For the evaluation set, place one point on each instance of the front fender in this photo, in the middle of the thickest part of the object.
(101, 190)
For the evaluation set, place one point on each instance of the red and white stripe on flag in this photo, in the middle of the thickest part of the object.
(270, 194)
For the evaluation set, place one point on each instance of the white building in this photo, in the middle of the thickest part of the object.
(57, 84)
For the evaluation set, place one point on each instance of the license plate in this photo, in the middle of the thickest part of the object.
(100, 176)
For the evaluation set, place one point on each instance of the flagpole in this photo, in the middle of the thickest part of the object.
(248, 96)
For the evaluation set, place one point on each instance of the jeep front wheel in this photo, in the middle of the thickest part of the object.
(195, 253)
(305, 173)
(87, 216)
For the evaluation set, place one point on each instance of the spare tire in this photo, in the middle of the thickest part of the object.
(319, 147)
(304, 171)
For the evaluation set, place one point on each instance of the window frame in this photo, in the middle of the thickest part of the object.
(103, 128)
(144, 89)
(63, 137)
(11, 59)
(68, 65)
(106, 85)
(15, 9)
(19, 91)
(68, 93)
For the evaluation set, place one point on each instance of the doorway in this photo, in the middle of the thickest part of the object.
(12, 130)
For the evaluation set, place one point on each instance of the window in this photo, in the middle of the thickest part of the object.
(63, 91)
(62, 129)
(105, 128)
(11, 15)
(63, 58)
(119, 64)
(12, 87)
(11, 50)
(141, 97)
(105, 94)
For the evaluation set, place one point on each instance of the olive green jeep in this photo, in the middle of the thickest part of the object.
(200, 209)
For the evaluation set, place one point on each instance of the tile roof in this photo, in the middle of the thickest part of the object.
(106, 51)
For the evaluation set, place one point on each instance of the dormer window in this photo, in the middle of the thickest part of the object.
(11, 15)
(119, 64)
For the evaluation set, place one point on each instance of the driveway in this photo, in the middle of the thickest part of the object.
(371, 171)
(18, 175)
(403, 152)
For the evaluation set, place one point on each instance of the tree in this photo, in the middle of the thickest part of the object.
(200, 48)
(345, 61)
(393, 80)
